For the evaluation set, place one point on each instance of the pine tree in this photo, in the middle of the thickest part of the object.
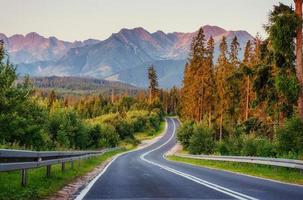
(234, 52)
(186, 104)
(210, 91)
(222, 72)
(51, 98)
(153, 83)
(195, 82)
(247, 86)
(233, 82)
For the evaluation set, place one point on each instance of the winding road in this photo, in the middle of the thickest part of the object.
(146, 174)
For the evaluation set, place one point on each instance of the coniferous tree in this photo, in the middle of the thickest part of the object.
(153, 84)
(210, 92)
(222, 72)
(51, 98)
(234, 52)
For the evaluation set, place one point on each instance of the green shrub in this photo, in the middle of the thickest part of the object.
(258, 146)
(154, 120)
(265, 148)
(185, 132)
(124, 128)
(202, 140)
(67, 130)
(249, 146)
(223, 147)
(290, 137)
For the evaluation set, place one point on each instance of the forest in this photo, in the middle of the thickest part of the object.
(35, 116)
(245, 107)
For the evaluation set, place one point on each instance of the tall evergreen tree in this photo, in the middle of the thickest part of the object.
(282, 29)
(222, 72)
(247, 86)
(234, 52)
(210, 91)
(153, 83)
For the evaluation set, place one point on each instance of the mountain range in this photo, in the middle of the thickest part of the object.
(124, 56)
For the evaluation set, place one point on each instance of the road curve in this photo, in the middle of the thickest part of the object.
(145, 174)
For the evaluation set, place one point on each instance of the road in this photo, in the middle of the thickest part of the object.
(145, 174)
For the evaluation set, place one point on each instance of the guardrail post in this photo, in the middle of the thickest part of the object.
(48, 170)
(24, 177)
(79, 162)
(72, 164)
(63, 167)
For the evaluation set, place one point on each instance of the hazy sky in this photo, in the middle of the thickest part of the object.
(82, 19)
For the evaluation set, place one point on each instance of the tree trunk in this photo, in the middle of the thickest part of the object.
(113, 96)
(209, 118)
(221, 127)
(150, 96)
(247, 99)
(299, 69)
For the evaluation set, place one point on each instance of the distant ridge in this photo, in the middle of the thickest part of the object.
(115, 58)
(81, 85)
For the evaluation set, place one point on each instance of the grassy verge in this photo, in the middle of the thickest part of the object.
(39, 186)
(276, 173)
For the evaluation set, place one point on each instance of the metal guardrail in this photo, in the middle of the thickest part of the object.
(278, 162)
(12, 160)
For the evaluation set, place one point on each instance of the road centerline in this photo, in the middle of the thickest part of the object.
(205, 183)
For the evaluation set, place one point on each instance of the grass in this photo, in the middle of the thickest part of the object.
(275, 173)
(39, 186)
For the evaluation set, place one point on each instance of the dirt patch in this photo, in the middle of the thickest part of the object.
(177, 148)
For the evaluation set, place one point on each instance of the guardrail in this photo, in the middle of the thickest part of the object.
(278, 162)
(12, 160)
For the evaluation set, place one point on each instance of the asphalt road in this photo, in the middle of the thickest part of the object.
(145, 174)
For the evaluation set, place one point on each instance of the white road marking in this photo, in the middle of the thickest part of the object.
(213, 186)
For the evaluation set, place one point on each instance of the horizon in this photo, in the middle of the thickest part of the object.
(99, 19)
(151, 32)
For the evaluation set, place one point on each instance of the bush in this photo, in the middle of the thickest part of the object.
(202, 140)
(258, 146)
(249, 146)
(67, 130)
(124, 128)
(185, 132)
(154, 120)
(230, 146)
(265, 148)
(290, 137)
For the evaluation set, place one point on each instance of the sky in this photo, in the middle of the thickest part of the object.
(82, 19)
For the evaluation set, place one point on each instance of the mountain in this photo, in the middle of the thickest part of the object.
(33, 47)
(124, 56)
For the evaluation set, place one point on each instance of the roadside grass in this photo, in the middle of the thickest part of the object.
(39, 186)
(282, 174)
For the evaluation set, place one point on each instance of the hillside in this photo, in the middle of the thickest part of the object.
(77, 85)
